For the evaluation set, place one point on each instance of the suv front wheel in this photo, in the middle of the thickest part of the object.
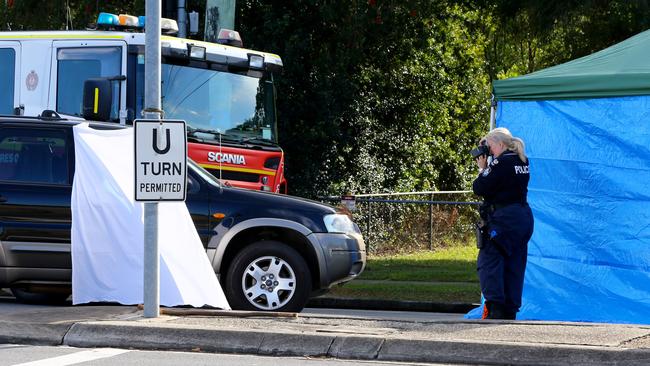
(268, 276)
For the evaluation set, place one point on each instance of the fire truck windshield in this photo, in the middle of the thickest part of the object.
(238, 106)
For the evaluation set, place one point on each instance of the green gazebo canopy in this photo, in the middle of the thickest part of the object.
(620, 70)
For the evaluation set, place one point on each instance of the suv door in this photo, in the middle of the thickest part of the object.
(35, 187)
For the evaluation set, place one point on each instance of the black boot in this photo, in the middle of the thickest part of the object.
(509, 314)
(495, 311)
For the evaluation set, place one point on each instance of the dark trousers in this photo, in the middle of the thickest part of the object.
(501, 275)
(501, 262)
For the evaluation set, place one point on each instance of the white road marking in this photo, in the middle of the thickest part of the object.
(77, 357)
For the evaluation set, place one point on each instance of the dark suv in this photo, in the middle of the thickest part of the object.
(308, 242)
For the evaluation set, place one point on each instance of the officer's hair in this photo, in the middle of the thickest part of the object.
(515, 144)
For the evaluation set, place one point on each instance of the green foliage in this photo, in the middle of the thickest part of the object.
(390, 228)
(387, 95)
(530, 35)
(62, 14)
(78, 14)
(376, 95)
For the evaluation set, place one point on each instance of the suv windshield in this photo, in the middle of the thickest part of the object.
(211, 179)
(240, 106)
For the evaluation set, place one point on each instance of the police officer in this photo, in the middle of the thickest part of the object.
(508, 223)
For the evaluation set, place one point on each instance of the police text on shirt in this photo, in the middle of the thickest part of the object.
(521, 169)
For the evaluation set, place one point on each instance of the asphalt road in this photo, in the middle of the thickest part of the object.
(20, 355)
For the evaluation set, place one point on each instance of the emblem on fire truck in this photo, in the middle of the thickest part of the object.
(32, 80)
(226, 158)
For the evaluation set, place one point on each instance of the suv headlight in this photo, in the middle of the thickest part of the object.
(338, 223)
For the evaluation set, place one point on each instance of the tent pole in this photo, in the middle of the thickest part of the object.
(493, 112)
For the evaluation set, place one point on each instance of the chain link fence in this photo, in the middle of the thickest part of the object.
(406, 222)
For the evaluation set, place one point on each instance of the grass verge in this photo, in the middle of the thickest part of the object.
(434, 292)
(454, 264)
(446, 275)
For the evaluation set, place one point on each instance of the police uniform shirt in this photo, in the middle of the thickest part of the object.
(505, 181)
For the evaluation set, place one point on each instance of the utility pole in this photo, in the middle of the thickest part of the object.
(152, 110)
(182, 19)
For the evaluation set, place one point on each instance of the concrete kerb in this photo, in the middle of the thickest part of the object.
(108, 334)
(511, 354)
(121, 335)
(32, 333)
(157, 336)
(365, 348)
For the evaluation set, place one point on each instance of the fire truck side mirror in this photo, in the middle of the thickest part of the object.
(98, 96)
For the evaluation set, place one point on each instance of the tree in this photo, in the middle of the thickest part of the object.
(389, 95)
(61, 14)
(376, 95)
(529, 35)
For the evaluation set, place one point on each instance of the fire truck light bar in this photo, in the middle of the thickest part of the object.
(128, 20)
(168, 26)
(229, 37)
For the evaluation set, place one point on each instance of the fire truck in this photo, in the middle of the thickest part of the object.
(224, 92)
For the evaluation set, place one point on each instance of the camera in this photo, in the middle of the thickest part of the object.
(482, 149)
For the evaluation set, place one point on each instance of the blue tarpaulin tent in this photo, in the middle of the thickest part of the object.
(586, 125)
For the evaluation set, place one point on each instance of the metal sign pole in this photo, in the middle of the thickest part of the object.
(152, 111)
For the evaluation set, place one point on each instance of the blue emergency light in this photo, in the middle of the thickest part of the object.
(108, 19)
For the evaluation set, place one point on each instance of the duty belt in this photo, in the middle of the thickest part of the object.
(496, 206)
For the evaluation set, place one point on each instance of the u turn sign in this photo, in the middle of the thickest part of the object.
(160, 160)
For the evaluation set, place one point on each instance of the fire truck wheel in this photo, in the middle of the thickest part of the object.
(268, 276)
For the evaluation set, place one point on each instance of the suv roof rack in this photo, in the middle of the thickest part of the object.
(46, 115)
(50, 115)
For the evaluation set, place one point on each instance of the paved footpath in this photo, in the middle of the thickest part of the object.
(348, 337)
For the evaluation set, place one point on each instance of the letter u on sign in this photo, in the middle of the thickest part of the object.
(155, 142)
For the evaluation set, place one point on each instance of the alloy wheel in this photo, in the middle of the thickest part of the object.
(269, 283)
